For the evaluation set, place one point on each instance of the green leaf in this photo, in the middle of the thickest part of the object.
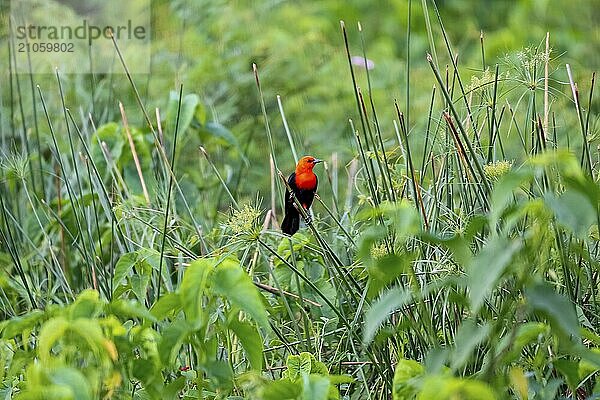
(318, 367)
(503, 195)
(487, 267)
(17, 325)
(130, 309)
(450, 388)
(526, 334)
(195, 280)
(574, 211)
(51, 331)
(282, 389)
(172, 339)
(74, 380)
(558, 309)
(570, 370)
(232, 282)
(380, 310)
(218, 131)
(404, 386)
(141, 280)
(90, 332)
(123, 268)
(457, 244)
(189, 104)
(338, 379)
(251, 342)
(87, 305)
(220, 373)
(467, 338)
(386, 269)
(315, 387)
(298, 365)
(172, 390)
(589, 367)
(167, 304)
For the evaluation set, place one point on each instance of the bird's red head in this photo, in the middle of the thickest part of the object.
(306, 164)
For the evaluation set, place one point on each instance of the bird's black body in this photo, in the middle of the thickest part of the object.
(291, 221)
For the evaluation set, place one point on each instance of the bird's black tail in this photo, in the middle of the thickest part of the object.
(291, 222)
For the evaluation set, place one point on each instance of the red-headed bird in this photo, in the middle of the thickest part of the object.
(303, 183)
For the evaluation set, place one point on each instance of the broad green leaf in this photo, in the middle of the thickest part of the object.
(251, 342)
(503, 192)
(189, 104)
(15, 326)
(487, 267)
(467, 338)
(87, 305)
(168, 303)
(282, 389)
(570, 370)
(527, 333)
(318, 367)
(298, 365)
(195, 280)
(519, 382)
(386, 269)
(315, 387)
(174, 388)
(573, 211)
(172, 339)
(130, 309)
(146, 372)
(220, 372)
(123, 268)
(232, 282)
(74, 380)
(218, 131)
(586, 367)
(140, 280)
(51, 331)
(406, 371)
(337, 379)
(585, 186)
(450, 388)
(558, 309)
(380, 310)
(90, 332)
(457, 244)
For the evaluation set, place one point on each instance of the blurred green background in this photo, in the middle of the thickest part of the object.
(210, 46)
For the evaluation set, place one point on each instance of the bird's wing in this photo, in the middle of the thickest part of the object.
(289, 202)
(292, 181)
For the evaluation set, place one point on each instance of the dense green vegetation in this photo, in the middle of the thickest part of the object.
(453, 252)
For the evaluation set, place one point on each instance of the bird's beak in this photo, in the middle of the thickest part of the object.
(317, 161)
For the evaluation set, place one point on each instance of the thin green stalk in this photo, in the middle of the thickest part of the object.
(7, 237)
(106, 203)
(386, 189)
(368, 165)
(493, 118)
(65, 174)
(287, 129)
(168, 206)
(22, 112)
(386, 174)
(474, 157)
